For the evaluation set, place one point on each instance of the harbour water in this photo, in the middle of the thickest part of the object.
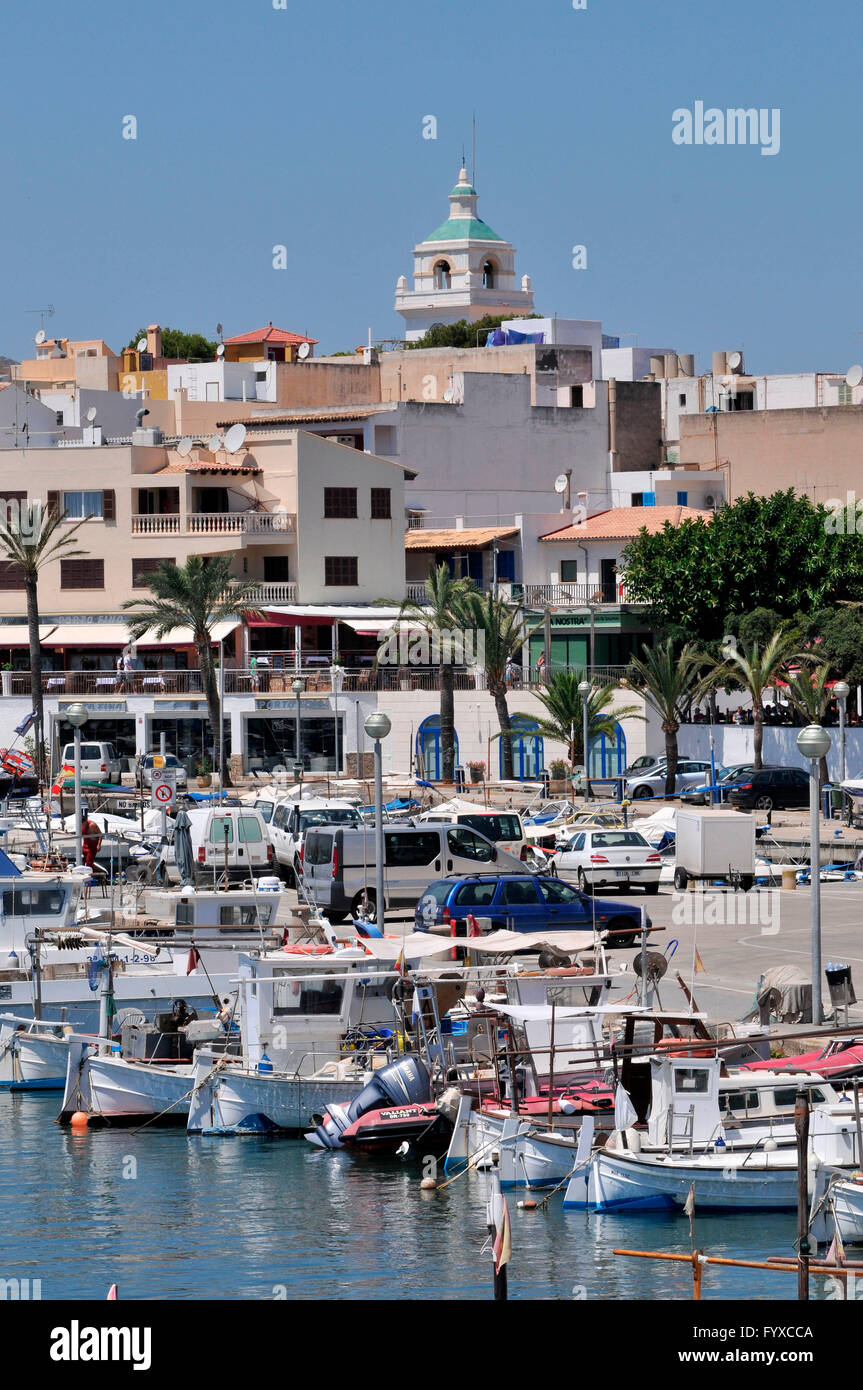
(169, 1216)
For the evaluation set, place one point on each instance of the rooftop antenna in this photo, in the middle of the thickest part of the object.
(473, 154)
(42, 312)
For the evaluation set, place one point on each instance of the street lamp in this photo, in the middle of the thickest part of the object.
(77, 716)
(814, 743)
(298, 685)
(337, 677)
(377, 726)
(584, 691)
(842, 690)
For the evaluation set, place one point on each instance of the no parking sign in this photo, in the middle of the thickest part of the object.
(162, 791)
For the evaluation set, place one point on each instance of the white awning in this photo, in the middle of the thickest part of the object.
(17, 634)
(117, 635)
(415, 947)
(369, 617)
(375, 627)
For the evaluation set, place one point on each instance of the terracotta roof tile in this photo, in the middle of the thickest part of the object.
(622, 523)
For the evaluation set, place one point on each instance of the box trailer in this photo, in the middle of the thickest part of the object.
(714, 845)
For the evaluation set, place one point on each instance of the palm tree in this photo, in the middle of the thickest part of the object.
(808, 692)
(565, 713)
(198, 595)
(502, 633)
(31, 542)
(441, 614)
(667, 683)
(752, 668)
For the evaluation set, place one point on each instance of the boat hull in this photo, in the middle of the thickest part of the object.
(636, 1183)
(236, 1101)
(32, 1061)
(122, 1092)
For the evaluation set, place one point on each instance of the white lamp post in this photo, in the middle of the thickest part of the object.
(842, 690)
(77, 716)
(377, 726)
(814, 743)
(298, 685)
(584, 691)
(337, 677)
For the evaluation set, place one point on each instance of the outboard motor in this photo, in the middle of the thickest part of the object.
(405, 1082)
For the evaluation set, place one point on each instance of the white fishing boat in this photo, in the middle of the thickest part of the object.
(33, 1054)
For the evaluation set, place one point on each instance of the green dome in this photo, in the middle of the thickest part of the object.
(464, 229)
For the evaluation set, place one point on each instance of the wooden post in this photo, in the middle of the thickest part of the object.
(697, 1272)
(801, 1129)
(551, 1071)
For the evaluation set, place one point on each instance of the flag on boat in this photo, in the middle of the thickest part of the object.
(193, 962)
(502, 1247)
(836, 1253)
(113, 1294)
(26, 723)
(401, 964)
(689, 1207)
(473, 927)
(699, 964)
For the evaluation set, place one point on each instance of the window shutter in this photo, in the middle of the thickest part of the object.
(109, 506)
(54, 502)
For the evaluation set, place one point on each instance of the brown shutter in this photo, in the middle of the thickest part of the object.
(109, 506)
(53, 502)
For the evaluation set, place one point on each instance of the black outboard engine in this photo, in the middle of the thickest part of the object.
(405, 1082)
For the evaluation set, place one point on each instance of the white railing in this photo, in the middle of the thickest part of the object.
(283, 592)
(241, 523)
(165, 525)
(566, 595)
(418, 593)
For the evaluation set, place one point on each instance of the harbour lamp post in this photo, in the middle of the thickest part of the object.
(377, 726)
(814, 743)
(842, 690)
(298, 685)
(584, 691)
(337, 678)
(77, 716)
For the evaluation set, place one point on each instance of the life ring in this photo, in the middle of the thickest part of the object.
(682, 1047)
(307, 949)
(569, 970)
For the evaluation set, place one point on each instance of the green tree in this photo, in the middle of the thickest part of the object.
(198, 595)
(752, 668)
(31, 538)
(809, 693)
(463, 334)
(502, 634)
(564, 711)
(667, 683)
(442, 614)
(836, 635)
(773, 552)
(186, 347)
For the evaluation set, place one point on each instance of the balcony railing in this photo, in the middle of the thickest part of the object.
(217, 524)
(569, 595)
(274, 679)
(283, 592)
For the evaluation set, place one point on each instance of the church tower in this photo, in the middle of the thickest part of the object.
(463, 270)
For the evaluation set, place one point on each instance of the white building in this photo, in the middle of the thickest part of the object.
(462, 270)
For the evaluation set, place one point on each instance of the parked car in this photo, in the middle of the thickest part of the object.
(521, 902)
(146, 769)
(602, 857)
(225, 837)
(726, 777)
(652, 783)
(99, 762)
(771, 789)
(290, 821)
(339, 863)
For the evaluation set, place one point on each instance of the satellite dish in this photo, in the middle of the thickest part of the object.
(184, 448)
(854, 375)
(220, 350)
(141, 345)
(448, 395)
(214, 443)
(92, 413)
(41, 336)
(734, 360)
(235, 438)
(561, 482)
(303, 351)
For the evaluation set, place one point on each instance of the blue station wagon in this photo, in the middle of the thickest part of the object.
(529, 903)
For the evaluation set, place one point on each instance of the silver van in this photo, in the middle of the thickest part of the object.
(339, 863)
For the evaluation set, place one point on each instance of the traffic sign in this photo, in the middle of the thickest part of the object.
(158, 760)
(163, 793)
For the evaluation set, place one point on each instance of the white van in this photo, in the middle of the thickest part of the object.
(232, 836)
(99, 761)
(291, 819)
(339, 863)
(503, 828)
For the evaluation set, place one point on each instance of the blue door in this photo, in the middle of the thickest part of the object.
(527, 751)
(519, 905)
(563, 905)
(428, 747)
(608, 756)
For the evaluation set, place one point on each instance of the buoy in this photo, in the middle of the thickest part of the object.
(529, 1205)
(80, 1119)
(428, 1185)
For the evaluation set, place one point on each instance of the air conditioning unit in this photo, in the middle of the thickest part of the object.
(710, 502)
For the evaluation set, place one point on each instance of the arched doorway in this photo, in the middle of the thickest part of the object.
(429, 748)
(608, 755)
(488, 274)
(442, 276)
(527, 750)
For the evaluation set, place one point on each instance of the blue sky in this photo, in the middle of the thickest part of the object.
(303, 127)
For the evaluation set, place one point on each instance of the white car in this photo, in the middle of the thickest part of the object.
(599, 858)
(691, 772)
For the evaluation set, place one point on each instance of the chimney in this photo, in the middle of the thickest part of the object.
(154, 340)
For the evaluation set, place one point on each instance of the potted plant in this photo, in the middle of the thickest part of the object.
(477, 771)
(205, 772)
(558, 773)
(6, 670)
